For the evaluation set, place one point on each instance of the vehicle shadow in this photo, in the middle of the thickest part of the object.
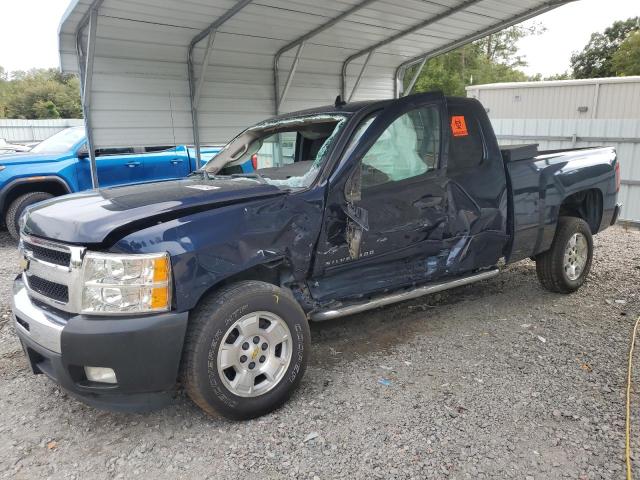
(381, 330)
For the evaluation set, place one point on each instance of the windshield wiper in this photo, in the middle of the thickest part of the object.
(255, 175)
(209, 176)
(206, 175)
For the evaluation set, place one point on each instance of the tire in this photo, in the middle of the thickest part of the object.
(18, 206)
(211, 335)
(554, 272)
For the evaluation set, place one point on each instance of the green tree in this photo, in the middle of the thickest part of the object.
(626, 60)
(489, 60)
(559, 76)
(596, 59)
(39, 93)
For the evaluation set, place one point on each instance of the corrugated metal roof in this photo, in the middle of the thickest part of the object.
(140, 92)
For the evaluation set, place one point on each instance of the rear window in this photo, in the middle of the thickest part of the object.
(466, 147)
(106, 152)
(159, 149)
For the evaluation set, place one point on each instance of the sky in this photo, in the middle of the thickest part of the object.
(28, 32)
(568, 30)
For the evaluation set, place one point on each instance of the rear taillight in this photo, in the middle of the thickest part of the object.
(254, 161)
(617, 176)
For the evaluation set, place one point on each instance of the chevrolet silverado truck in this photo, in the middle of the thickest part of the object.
(60, 165)
(210, 282)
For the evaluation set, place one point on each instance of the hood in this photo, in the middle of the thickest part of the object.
(103, 216)
(8, 159)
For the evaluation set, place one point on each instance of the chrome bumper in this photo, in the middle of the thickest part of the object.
(39, 325)
(144, 352)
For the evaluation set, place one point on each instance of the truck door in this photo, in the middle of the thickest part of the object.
(116, 166)
(384, 225)
(477, 189)
(165, 163)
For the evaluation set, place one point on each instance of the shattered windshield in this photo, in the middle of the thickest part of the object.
(285, 153)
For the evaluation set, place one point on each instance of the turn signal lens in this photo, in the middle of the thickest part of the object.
(160, 298)
(161, 270)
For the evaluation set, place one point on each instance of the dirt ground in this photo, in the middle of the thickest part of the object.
(500, 379)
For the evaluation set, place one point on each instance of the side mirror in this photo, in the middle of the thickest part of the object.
(83, 153)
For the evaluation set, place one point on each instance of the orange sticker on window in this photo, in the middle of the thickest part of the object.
(459, 126)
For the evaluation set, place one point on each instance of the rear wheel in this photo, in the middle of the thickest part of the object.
(565, 266)
(17, 208)
(246, 350)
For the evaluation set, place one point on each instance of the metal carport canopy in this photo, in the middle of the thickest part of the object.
(141, 61)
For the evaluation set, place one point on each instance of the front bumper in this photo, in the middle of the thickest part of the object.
(143, 351)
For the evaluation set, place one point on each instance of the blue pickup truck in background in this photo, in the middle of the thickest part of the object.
(60, 165)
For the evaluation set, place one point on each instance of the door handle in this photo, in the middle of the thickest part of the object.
(133, 164)
(176, 162)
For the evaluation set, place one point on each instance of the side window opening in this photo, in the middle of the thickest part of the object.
(408, 148)
(466, 147)
(158, 149)
(287, 153)
(105, 152)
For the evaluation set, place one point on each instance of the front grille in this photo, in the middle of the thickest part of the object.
(53, 272)
(49, 255)
(49, 289)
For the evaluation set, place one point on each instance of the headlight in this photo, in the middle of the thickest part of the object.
(116, 284)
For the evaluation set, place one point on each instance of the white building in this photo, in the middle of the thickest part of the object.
(572, 113)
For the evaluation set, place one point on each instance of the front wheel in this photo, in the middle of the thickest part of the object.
(246, 350)
(17, 208)
(565, 266)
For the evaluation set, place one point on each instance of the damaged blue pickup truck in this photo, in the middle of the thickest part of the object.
(209, 282)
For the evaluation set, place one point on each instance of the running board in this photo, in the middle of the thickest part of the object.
(401, 297)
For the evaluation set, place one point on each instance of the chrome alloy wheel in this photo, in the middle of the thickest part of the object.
(255, 354)
(576, 254)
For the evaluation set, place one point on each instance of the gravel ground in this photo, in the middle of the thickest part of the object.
(496, 380)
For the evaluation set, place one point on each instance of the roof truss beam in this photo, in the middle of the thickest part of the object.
(280, 97)
(422, 59)
(292, 72)
(425, 23)
(205, 65)
(196, 90)
(85, 68)
(363, 70)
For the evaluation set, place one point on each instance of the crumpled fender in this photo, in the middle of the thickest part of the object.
(209, 247)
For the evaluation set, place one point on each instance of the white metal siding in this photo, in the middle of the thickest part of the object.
(26, 131)
(619, 100)
(612, 98)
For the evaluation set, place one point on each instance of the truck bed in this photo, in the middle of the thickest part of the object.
(542, 184)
